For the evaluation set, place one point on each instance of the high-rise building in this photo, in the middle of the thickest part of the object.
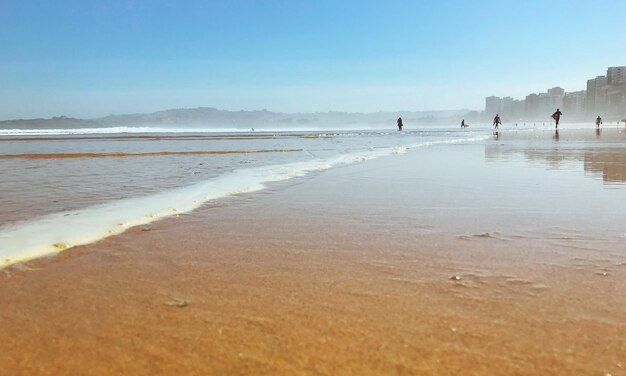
(616, 75)
(605, 96)
(556, 97)
(545, 108)
(616, 92)
(574, 104)
(596, 95)
(532, 106)
(492, 105)
(518, 109)
(506, 106)
(556, 92)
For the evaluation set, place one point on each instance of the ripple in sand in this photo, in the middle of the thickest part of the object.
(407, 280)
(498, 284)
(483, 235)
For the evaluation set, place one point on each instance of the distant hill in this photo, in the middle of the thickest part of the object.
(212, 118)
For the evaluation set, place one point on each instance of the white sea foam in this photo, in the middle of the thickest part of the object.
(53, 233)
(153, 129)
(113, 130)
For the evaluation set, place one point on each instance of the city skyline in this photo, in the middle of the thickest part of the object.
(605, 95)
(91, 59)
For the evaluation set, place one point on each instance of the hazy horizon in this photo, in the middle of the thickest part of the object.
(165, 110)
(89, 60)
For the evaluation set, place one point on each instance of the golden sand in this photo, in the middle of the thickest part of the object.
(261, 292)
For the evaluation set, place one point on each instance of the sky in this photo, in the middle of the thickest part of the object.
(94, 58)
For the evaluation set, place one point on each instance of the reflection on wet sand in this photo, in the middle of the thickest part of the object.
(552, 155)
(148, 154)
(601, 152)
(609, 163)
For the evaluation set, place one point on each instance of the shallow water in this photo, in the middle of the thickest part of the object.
(75, 189)
(33, 187)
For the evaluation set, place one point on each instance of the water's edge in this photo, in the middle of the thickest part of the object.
(54, 233)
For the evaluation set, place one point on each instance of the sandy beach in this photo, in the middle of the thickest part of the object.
(501, 257)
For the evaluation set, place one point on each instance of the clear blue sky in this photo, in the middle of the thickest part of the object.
(91, 58)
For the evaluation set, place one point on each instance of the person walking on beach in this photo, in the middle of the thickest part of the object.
(400, 124)
(557, 116)
(497, 122)
(463, 123)
(598, 121)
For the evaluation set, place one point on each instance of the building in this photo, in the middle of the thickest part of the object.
(518, 110)
(532, 106)
(596, 95)
(544, 109)
(616, 75)
(604, 96)
(574, 104)
(616, 92)
(492, 105)
(556, 95)
(506, 106)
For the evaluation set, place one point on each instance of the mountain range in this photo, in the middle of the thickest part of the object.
(213, 118)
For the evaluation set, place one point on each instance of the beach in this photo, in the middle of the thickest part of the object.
(435, 253)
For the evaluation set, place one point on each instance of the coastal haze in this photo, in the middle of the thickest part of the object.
(211, 119)
(312, 188)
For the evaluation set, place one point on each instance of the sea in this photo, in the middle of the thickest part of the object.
(62, 188)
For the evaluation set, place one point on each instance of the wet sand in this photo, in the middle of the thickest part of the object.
(148, 154)
(386, 267)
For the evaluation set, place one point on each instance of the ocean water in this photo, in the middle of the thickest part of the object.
(63, 188)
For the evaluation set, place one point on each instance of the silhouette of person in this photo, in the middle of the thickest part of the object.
(598, 121)
(497, 121)
(557, 116)
(400, 124)
(463, 123)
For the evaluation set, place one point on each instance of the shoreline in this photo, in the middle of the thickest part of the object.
(64, 230)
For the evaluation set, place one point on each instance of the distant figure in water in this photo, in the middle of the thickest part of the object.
(497, 121)
(400, 124)
(598, 121)
(463, 125)
(252, 129)
(557, 116)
